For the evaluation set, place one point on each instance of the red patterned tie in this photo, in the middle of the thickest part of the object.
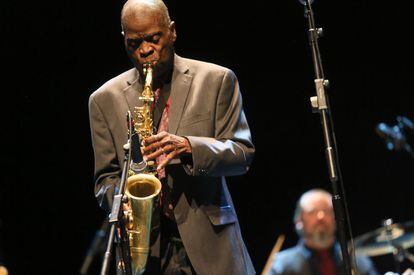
(165, 191)
(326, 263)
(163, 127)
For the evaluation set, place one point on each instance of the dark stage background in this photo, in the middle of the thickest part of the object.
(55, 54)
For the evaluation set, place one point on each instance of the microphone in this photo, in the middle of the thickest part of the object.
(138, 164)
(394, 137)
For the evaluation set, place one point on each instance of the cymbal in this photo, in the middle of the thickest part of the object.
(383, 240)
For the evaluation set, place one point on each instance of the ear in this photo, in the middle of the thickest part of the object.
(173, 32)
(299, 228)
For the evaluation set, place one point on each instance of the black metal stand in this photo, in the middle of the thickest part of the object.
(320, 104)
(116, 217)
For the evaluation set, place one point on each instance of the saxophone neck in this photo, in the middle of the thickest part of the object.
(148, 75)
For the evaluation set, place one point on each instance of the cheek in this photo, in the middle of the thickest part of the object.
(133, 56)
(332, 223)
(308, 223)
(131, 53)
(165, 50)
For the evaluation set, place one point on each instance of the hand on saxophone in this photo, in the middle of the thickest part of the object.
(165, 143)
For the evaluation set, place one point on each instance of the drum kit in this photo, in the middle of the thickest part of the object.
(391, 238)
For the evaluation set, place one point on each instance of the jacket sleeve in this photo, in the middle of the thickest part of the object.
(107, 169)
(230, 151)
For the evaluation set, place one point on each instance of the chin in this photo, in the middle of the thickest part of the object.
(322, 239)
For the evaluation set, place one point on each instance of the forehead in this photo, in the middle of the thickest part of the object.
(143, 21)
(316, 201)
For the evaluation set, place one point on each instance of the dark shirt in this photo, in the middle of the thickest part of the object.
(301, 260)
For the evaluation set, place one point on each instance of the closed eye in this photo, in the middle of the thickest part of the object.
(153, 38)
(134, 43)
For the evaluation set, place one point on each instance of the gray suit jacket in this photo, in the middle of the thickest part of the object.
(206, 107)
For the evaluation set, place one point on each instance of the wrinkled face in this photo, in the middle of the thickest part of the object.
(148, 38)
(318, 221)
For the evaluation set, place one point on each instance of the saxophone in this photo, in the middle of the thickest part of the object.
(143, 187)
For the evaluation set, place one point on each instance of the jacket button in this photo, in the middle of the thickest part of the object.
(202, 171)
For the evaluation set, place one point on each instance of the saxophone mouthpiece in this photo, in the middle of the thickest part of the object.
(150, 63)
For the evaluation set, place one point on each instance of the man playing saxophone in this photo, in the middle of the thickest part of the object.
(201, 136)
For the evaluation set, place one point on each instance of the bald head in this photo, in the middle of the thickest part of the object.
(136, 9)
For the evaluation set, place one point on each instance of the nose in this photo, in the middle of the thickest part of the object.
(320, 215)
(145, 50)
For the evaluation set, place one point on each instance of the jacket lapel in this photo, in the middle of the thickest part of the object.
(133, 92)
(180, 87)
(181, 82)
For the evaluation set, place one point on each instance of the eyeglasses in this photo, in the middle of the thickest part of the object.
(315, 212)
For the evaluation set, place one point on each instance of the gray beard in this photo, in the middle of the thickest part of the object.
(322, 239)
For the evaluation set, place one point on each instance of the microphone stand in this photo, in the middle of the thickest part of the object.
(320, 104)
(116, 219)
